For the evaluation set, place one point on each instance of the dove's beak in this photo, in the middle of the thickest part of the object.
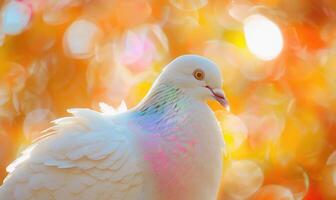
(219, 95)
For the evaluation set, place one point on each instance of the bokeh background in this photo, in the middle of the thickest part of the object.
(277, 57)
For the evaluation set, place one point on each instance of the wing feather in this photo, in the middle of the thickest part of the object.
(86, 156)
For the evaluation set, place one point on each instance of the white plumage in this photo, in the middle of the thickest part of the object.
(167, 147)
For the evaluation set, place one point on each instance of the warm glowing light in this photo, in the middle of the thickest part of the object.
(264, 38)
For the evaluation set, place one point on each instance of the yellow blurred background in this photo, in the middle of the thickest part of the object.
(277, 57)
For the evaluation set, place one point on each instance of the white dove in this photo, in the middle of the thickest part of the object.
(167, 147)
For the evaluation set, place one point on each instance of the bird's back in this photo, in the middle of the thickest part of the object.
(87, 156)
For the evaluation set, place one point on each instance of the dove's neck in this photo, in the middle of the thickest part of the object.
(162, 98)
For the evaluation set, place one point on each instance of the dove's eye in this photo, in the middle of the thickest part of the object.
(198, 74)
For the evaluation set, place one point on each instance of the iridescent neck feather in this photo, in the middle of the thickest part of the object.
(162, 98)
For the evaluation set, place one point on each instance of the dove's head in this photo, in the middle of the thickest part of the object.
(197, 76)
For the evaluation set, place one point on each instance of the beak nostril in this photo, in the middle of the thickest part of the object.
(217, 94)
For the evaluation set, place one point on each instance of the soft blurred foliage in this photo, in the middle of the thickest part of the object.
(279, 76)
